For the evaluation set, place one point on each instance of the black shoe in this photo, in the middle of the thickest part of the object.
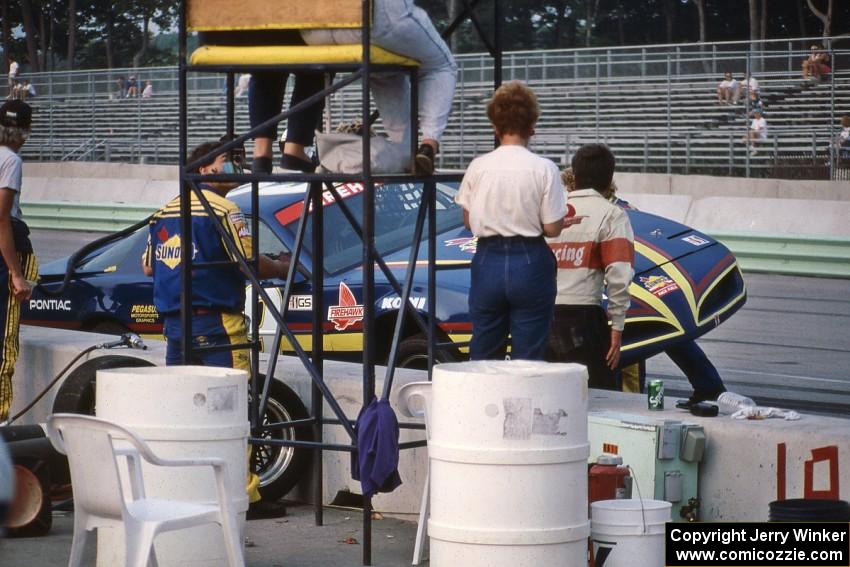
(424, 160)
(699, 396)
(265, 510)
(296, 164)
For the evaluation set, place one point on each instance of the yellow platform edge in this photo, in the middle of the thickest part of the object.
(293, 54)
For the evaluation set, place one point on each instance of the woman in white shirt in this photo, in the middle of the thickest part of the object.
(511, 199)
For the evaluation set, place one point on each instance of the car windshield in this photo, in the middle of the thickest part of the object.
(396, 207)
(124, 255)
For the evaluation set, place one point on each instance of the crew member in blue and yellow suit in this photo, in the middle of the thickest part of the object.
(218, 293)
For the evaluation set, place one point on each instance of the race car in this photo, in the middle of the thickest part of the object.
(685, 282)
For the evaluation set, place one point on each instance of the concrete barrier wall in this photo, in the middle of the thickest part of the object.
(747, 463)
(99, 183)
(704, 202)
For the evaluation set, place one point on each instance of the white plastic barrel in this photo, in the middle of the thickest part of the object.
(508, 455)
(182, 412)
(626, 533)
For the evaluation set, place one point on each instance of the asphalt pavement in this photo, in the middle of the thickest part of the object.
(291, 541)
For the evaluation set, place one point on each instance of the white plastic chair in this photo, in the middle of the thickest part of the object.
(99, 499)
(406, 395)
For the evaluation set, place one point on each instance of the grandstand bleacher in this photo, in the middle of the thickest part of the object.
(662, 122)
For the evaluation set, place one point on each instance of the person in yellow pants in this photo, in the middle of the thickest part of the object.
(18, 266)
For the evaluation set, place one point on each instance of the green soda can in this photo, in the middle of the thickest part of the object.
(655, 395)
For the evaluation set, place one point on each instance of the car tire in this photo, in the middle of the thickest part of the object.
(76, 394)
(413, 353)
(281, 468)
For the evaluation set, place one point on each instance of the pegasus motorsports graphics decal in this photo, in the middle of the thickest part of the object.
(348, 312)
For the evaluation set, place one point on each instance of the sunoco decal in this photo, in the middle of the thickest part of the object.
(167, 250)
(348, 312)
(659, 286)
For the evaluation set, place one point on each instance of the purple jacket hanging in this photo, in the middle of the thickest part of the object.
(375, 463)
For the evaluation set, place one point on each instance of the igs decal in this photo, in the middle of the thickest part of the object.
(348, 312)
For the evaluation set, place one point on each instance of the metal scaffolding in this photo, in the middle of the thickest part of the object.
(364, 228)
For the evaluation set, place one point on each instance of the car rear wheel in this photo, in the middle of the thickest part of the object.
(413, 353)
(280, 468)
(76, 395)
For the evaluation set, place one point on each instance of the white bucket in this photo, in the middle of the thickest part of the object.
(626, 533)
(182, 412)
(508, 455)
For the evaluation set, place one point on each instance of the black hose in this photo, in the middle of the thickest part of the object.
(52, 383)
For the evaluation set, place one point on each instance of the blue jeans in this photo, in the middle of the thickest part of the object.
(512, 291)
(696, 366)
(403, 28)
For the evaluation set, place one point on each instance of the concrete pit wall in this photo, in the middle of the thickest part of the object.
(747, 463)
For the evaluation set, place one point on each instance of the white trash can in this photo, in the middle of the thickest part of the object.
(508, 455)
(626, 533)
(181, 412)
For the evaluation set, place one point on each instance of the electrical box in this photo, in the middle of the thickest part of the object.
(664, 454)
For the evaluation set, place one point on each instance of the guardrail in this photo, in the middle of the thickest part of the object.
(821, 256)
(66, 215)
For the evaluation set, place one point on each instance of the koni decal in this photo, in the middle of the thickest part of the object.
(395, 302)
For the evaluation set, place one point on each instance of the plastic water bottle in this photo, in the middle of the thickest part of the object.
(730, 402)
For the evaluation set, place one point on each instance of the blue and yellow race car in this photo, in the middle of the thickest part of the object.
(685, 282)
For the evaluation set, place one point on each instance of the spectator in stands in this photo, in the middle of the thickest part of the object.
(727, 90)
(749, 84)
(403, 28)
(756, 102)
(122, 87)
(757, 132)
(842, 141)
(816, 65)
(242, 85)
(265, 99)
(147, 92)
(511, 198)
(132, 87)
(594, 252)
(13, 75)
(25, 90)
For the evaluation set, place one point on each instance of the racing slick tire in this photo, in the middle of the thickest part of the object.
(413, 353)
(76, 395)
(280, 468)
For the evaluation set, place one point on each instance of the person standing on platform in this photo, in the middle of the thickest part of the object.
(595, 250)
(511, 198)
(18, 269)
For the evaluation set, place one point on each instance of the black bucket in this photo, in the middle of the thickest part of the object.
(809, 510)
